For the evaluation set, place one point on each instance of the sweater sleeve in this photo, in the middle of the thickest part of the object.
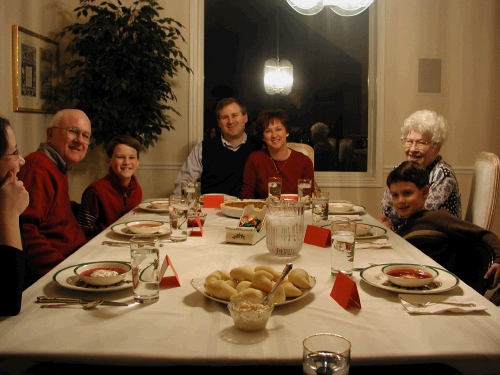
(12, 278)
(249, 183)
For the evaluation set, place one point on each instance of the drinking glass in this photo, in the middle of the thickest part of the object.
(191, 192)
(274, 187)
(304, 186)
(178, 219)
(145, 259)
(343, 237)
(326, 353)
(320, 208)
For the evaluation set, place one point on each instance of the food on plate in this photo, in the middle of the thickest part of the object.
(256, 282)
(251, 222)
(362, 229)
(160, 204)
(300, 278)
(144, 227)
(412, 276)
(242, 204)
(102, 272)
(250, 315)
(220, 289)
(242, 273)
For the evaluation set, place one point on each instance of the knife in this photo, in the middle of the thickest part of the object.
(45, 299)
(117, 243)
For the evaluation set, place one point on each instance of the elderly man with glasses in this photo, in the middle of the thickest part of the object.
(51, 232)
(422, 135)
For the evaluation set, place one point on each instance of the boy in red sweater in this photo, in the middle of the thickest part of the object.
(109, 198)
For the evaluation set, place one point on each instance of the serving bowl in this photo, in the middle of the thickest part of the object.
(102, 273)
(249, 314)
(362, 229)
(160, 204)
(340, 206)
(144, 226)
(410, 275)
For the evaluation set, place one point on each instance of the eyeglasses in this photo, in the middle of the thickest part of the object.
(15, 155)
(419, 144)
(74, 133)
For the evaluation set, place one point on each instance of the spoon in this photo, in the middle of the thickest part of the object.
(286, 270)
(86, 306)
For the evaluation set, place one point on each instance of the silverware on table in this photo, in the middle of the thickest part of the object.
(118, 243)
(85, 306)
(45, 299)
(426, 304)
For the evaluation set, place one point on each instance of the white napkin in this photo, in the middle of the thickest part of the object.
(438, 308)
(343, 217)
(380, 243)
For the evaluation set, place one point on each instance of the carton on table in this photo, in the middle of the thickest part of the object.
(247, 235)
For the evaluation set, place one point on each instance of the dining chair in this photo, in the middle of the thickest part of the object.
(468, 260)
(304, 148)
(484, 188)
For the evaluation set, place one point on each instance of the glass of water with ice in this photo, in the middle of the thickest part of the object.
(326, 353)
(343, 241)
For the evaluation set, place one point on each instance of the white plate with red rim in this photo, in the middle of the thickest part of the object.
(123, 230)
(374, 276)
(67, 279)
(148, 207)
(199, 285)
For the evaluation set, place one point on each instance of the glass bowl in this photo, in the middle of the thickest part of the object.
(249, 314)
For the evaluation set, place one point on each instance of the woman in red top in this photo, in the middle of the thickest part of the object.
(277, 160)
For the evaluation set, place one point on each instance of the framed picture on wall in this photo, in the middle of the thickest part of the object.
(34, 60)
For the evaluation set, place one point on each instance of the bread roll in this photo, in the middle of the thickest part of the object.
(269, 269)
(263, 280)
(243, 285)
(278, 296)
(220, 289)
(231, 282)
(242, 273)
(217, 275)
(300, 278)
(249, 293)
(290, 289)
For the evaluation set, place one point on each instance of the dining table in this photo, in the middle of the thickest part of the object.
(186, 327)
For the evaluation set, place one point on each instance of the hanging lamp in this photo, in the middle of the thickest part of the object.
(278, 74)
(341, 7)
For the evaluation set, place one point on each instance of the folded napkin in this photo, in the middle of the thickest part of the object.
(380, 243)
(343, 217)
(438, 307)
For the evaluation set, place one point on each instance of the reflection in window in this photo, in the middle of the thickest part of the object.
(330, 56)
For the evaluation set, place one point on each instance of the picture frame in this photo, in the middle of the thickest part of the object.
(35, 59)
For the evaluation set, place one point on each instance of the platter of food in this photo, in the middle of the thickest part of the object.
(375, 276)
(223, 291)
(235, 208)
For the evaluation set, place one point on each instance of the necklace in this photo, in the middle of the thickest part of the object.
(276, 167)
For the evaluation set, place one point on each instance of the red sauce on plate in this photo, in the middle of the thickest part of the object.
(409, 274)
(92, 270)
(146, 225)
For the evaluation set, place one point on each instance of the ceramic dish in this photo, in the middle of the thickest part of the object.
(67, 279)
(229, 208)
(199, 285)
(123, 230)
(148, 207)
(355, 210)
(443, 282)
(227, 198)
(375, 232)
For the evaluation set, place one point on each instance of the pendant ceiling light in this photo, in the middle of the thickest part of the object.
(341, 7)
(278, 74)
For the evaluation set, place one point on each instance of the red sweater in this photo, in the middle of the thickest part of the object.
(105, 201)
(259, 167)
(51, 232)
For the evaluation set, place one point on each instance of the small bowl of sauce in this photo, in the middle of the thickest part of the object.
(102, 273)
(144, 226)
(410, 275)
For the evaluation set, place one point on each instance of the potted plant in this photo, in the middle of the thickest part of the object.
(122, 61)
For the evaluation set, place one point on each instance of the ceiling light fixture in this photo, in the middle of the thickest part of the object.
(278, 74)
(341, 7)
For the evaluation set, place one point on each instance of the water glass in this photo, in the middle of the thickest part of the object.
(343, 242)
(320, 208)
(304, 186)
(274, 187)
(145, 259)
(326, 353)
(284, 227)
(191, 192)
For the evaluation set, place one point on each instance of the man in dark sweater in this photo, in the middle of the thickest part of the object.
(218, 163)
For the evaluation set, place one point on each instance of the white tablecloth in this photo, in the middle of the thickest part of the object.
(185, 327)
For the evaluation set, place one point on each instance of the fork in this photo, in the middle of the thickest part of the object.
(426, 304)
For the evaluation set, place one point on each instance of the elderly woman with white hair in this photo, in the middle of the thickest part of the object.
(422, 135)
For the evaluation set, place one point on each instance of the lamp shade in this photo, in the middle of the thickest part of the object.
(278, 76)
(341, 7)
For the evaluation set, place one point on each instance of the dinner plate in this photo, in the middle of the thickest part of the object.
(199, 285)
(375, 232)
(354, 210)
(444, 281)
(237, 211)
(123, 230)
(227, 198)
(148, 207)
(67, 279)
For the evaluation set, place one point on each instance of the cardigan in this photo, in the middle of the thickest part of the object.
(106, 200)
